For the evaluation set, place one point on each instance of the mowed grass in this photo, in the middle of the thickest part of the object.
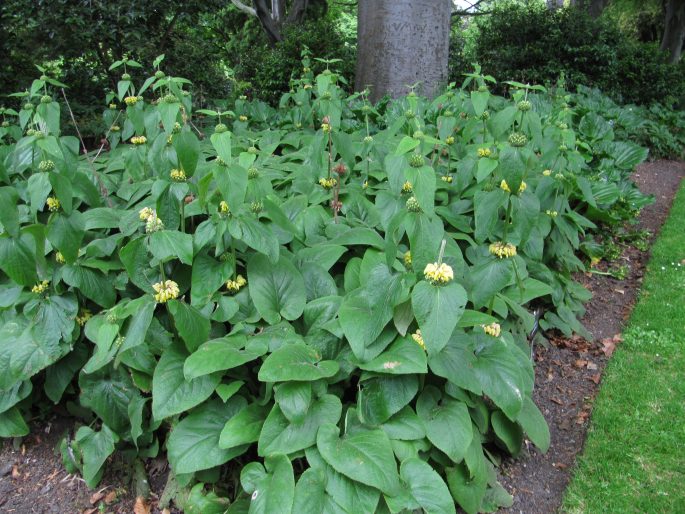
(634, 456)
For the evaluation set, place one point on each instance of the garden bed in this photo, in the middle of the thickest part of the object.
(568, 373)
(567, 378)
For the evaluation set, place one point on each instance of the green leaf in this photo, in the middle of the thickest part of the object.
(381, 397)
(406, 144)
(294, 399)
(448, 423)
(66, 234)
(95, 447)
(296, 361)
(193, 444)
(207, 277)
(108, 393)
(221, 141)
(507, 431)
(277, 290)
(136, 260)
(467, 490)
(191, 324)
(437, 310)
(171, 392)
(534, 424)
(404, 356)
(232, 183)
(244, 427)
(188, 150)
(171, 244)
(427, 487)
(485, 167)
(18, 261)
(272, 490)
(479, 99)
(279, 435)
(93, 284)
(500, 376)
(12, 424)
(488, 278)
(365, 456)
(256, 235)
(9, 217)
(222, 354)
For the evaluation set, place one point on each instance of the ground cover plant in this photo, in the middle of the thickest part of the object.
(632, 457)
(318, 307)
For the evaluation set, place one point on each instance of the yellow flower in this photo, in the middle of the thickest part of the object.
(493, 329)
(60, 258)
(328, 183)
(483, 152)
(165, 291)
(326, 127)
(242, 117)
(365, 184)
(407, 187)
(236, 285)
(416, 336)
(131, 100)
(594, 261)
(40, 287)
(115, 128)
(438, 274)
(449, 140)
(53, 204)
(504, 186)
(502, 250)
(307, 86)
(446, 178)
(112, 106)
(547, 173)
(407, 258)
(223, 207)
(83, 316)
(552, 214)
(178, 175)
(145, 213)
(138, 140)
(153, 224)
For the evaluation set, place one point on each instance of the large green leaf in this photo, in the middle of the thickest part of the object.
(381, 397)
(244, 427)
(365, 456)
(66, 234)
(534, 424)
(272, 490)
(402, 357)
(95, 448)
(193, 444)
(277, 290)
(171, 392)
(279, 435)
(447, 421)
(93, 284)
(12, 423)
(18, 261)
(437, 310)
(192, 325)
(427, 487)
(296, 361)
(222, 354)
(171, 244)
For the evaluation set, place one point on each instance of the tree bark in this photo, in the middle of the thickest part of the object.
(596, 7)
(674, 29)
(555, 4)
(400, 43)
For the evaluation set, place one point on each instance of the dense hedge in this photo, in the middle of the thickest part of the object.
(531, 43)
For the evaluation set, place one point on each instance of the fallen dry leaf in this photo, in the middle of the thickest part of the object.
(89, 511)
(559, 465)
(591, 366)
(596, 378)
(557, 401)
(166, 511)
(580, 363)
(15, 471)
(98, 495)
(111, 497)
(141, 506)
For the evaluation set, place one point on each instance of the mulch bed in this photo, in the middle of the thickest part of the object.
(568, 374)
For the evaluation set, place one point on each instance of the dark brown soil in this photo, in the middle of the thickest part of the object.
(33, 480)
(568, 373)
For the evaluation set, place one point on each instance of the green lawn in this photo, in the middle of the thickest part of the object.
(634, 457)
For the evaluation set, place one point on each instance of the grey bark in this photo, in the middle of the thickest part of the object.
(555, 4)
(674, 29)
(401, 42)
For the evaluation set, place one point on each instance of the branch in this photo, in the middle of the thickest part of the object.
(244, 8)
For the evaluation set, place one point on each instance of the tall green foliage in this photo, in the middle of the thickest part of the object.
(318, 307)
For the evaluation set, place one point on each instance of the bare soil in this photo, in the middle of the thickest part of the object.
(568, 374)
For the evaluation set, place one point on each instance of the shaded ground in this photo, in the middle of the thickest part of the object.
(33, 480)
(568, 373)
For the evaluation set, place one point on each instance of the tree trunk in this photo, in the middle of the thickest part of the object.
(674, 29)
(555, 4)
(400, 43)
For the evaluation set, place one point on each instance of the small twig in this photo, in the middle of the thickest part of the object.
(103, 189)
